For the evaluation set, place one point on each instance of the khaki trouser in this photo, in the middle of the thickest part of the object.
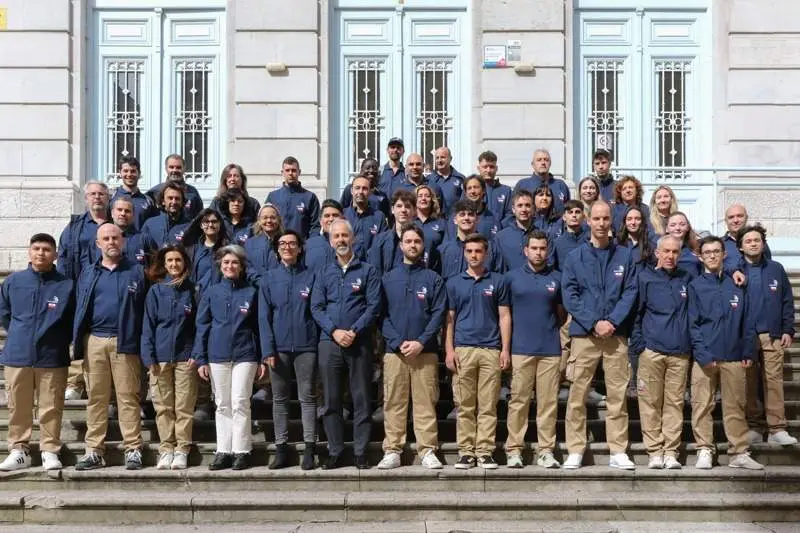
(771, 372)
(475, 388)
(75, 377)
(730, 376)
(421, 376)
(529, 373)
(174, 394)
(46, 386)
(104, 367)
(566, 342)
(586, 353)
(661, 385)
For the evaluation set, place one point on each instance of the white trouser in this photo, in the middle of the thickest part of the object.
(233, 384)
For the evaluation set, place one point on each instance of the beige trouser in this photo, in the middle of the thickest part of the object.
(566, 342)
(661, 386)
(421, 376)
(174, 394)
(475, 388)
(46, 386)
(104, 368)
(730, 376)
(529, 373)
(771, 362)
(75, 378)
(586, 353)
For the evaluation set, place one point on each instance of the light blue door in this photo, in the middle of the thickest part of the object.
(643, 92)
(158, 90)
(400, 70)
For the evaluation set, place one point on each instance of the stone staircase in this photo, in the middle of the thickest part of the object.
(595, 492)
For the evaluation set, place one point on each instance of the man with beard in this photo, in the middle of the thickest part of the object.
(601, 165)
(377, 199)
(510, 242)
(735, 219)
(345, 303)
(393, 170)
(318, 252)
(541, 175)
(174, 166)
(415, 304)
(167, 227)
(298, 206)
(144, 206)
(136, 248)
(106, 334)
(366, 221)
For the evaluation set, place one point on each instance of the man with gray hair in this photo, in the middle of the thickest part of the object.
(540, 164)
(661, 336)
(76, 241)
(345, 303)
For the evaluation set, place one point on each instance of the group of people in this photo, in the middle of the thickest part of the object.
(411, 268)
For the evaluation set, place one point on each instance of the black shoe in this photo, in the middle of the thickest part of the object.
(361, 462)
(333, 462)
(241, 461)
(281, 459)
(308, 457)
(465, 462)
(90, 461)
(221, 461)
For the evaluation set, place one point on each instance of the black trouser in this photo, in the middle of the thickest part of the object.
(356, 360)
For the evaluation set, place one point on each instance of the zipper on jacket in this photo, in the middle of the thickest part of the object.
(36, 293)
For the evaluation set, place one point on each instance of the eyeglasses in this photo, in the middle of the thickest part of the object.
(210, 222)
(710, 253)
(287, 244)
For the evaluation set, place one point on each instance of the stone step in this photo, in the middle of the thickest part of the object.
(411, 479)
(597, 453)
(126, 507)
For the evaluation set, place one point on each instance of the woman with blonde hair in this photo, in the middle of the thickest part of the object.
(588, 192)
(259, 242)
(662, 204)
(429, 217)
(678, 226)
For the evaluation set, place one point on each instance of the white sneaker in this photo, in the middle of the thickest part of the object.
(16, 460)
(755, 437)
(595, 398)
(782, 438)
(546, 460)
(431, 462)
(671, 463)
(165, 461)
(50, 461)
(656, 462)
(390, 460)
(743, 460)
(72, 394)
(180, 461)
(621, 461)
(705, 460)
(514, 460)
(574, 461)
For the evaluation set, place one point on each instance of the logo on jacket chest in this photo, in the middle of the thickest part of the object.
(773, 285)
(422, 293)
(356, 285)
(683, 292)
(179, 236)
(561, 196)
(734, 302)
(374, 229)
(551, 287)
(304, 293)
(52, 303)
(133, 286)
(301, 207)
(435, 227)
(501, 198)
(244, 308)
(187, 310)
(489, 291)
(243, 238)
(619, 272)
(140, 255)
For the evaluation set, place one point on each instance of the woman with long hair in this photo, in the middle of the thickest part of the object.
(228, 354)
(233, 177)
(429, 217)
(259, 242)
(662, 204)
(636, 235)
(475, 191)
(289, 339)
(679, 227)
(168, 331)
(545, 217)
(203, 237)
(234, 214)
(588, 192)
(628, 192)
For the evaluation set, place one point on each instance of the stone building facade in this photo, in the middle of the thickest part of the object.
(701, 94)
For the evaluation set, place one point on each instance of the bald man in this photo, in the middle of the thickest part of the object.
(540, 164)
(414, 177)
(106, 333)
(449, 180)
(736, 218)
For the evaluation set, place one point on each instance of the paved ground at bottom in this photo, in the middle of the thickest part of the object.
(425, 527)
